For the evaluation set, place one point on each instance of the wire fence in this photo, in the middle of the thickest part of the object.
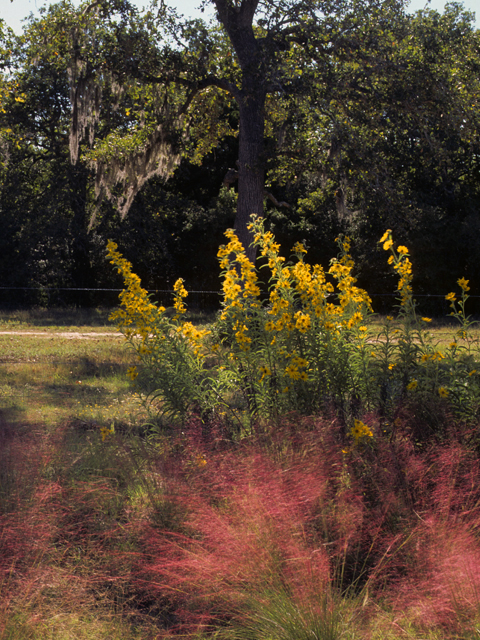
(198, 299)
(12, 297)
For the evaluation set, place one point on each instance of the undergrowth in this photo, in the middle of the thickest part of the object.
(288, 535)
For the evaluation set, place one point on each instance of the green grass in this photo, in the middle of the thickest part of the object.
(49, 377)
(59, 318)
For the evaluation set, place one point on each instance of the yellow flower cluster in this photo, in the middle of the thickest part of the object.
(432, 356)
(194, 336)
(240, 288)
(302, 322)
(287, 347)
(307, 285)
(240, 276)
(243, 340)
(144, 324)
(402, 265)
(360, 430)
(105, 432)
(132, 373)
(265, 371)
(136, 315)
(353, 302)
(289, 283)
(404, 269)
(451, 297)
(179, 293)
(296, 368)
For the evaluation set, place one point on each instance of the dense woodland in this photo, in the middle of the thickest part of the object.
(160, 133)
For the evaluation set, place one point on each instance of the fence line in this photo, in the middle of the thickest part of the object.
(87, 289)
(416, 295)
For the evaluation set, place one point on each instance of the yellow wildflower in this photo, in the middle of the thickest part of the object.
(427, 319)
(450, 296)
(360, 430)
(299, 248)
(180, 293)
(402, 250)
(265, 371)
(443, 392)
(292, 372)
(412, 385)
(132, 372)
(385, 235)
(106, 432)
(302, 322)
(463, 284)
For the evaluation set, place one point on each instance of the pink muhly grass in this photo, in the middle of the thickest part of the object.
(441, 586)
(27, 520)
(298, 516)
(438, 568)
(456, 484)
(251, 521)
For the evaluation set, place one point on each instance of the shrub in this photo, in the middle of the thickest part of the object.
(304, 345)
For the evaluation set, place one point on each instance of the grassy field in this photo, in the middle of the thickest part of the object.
(55, 369)
(108, 533)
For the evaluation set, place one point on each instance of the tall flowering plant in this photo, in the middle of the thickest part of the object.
(301, 343)
(415, 367)
(170, 351)
(295, 340)
(295, 346)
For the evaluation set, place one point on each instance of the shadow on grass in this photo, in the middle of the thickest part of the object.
(59, 317)
(21, 459)
(87, 367)
(9, 417)
(66, 393)
(80, 317)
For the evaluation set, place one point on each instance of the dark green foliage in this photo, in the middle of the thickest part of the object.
(378, 130)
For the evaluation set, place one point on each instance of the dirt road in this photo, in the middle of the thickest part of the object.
(72, 335)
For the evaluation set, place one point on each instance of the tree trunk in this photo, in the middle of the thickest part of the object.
(237, 20)
(82, 273)
(251, 172)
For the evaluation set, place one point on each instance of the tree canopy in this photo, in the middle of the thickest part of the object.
(176, 73)
(359, 116)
